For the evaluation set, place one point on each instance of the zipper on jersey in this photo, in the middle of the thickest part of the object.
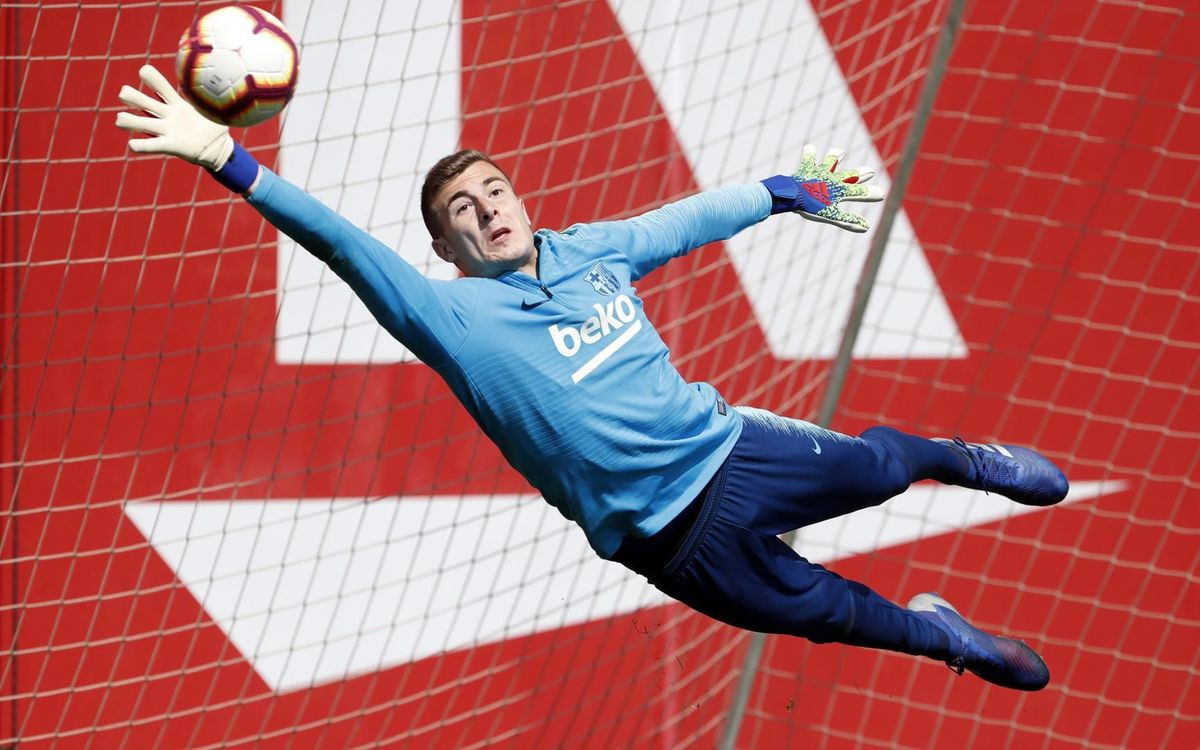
(528, 282)
(537, 269)
(551, 297)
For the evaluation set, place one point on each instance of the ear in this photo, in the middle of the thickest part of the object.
(443, 250)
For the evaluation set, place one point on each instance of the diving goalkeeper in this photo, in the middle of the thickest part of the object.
(546, 344)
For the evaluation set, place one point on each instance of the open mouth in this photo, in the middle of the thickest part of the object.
(500, 233)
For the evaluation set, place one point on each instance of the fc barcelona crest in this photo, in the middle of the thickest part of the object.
(602, 279)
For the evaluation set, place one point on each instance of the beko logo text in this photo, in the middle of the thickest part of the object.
(611, 317)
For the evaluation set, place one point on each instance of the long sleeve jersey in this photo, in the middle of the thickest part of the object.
(562, 371)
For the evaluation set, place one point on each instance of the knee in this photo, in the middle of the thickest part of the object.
(894, 469)
(825, 613)
(829, 622)
(888, 439)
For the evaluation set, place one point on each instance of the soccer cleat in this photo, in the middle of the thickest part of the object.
(1000, 661)
(1019, 474)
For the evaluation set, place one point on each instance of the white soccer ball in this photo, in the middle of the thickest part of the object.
(237, 65)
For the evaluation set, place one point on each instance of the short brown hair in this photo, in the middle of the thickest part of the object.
(447, 168)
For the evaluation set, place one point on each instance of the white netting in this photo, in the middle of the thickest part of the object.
(237, 513)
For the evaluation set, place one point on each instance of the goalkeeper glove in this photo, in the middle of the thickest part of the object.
(815, 189)
(179, 130)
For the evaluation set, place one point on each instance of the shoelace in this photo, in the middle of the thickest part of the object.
(958, 664)
(980, 472)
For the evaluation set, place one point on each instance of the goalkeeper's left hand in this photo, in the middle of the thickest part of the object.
(816, 188)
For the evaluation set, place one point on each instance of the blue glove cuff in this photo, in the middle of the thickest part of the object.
(785, 193)
(240, 172)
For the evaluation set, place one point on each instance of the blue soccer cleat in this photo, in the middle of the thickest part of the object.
(1000, 661)
(1019, 474)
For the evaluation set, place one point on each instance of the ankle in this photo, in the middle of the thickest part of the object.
(925, 458)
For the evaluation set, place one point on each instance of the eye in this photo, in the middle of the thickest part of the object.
(462, 207)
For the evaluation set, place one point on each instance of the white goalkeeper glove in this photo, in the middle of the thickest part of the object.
(815, 189)
(178, 129)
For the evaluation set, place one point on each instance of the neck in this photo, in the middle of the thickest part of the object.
(531, 266)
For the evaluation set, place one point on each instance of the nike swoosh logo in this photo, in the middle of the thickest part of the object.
(816, 445)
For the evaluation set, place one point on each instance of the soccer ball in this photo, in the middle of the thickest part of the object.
(237, 65)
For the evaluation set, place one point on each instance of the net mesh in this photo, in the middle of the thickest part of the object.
(236, 513)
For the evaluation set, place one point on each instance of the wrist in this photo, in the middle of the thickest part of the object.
(785, 192)
(240, 171)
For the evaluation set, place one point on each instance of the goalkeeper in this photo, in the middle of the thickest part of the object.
(547, 346)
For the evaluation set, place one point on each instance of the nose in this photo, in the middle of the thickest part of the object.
(487, 211)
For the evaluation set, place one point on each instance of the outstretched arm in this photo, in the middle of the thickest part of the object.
(814, 191)
(406, 303)
(673, 230)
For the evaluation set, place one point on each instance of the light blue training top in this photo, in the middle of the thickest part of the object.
(563, 372)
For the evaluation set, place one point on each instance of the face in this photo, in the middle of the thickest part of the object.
(485, 229)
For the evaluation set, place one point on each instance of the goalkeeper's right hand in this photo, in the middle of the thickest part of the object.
(179, 130)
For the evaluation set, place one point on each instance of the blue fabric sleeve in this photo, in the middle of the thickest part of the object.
(425, 315)
(655, 237)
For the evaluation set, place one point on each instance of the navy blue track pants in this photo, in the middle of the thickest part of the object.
(723, 557)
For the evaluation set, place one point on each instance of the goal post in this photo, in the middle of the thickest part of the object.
(862, 295)
(236, 513)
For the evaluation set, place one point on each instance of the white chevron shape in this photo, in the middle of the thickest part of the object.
(376, 106)
(746, 83)
(315, 591)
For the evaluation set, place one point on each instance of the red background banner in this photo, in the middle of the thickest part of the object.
(1056, 200)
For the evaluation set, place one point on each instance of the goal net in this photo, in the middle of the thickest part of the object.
(235, 512)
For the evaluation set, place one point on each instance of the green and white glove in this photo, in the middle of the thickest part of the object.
(815, 189)
(177, 129)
